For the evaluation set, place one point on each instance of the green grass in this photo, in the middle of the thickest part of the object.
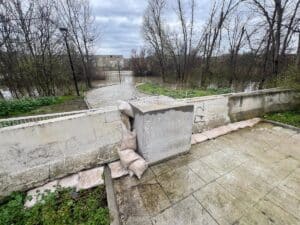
(41, 105)
(154, 89)
(289, 117)
(63, 207)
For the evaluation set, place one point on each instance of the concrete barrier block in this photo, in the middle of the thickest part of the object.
(164, 128)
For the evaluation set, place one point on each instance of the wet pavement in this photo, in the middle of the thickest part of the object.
(251, 176)
(116, 87)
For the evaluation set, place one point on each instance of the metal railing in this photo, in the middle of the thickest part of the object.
(28, 119)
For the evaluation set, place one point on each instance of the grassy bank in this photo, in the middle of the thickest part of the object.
(41, 105)
(63, 207)
(289, 117)
(154, 89)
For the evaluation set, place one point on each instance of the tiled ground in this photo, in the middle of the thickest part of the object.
(251, 176)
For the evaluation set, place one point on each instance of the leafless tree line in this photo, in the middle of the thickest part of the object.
(240, 38)
(33, 56)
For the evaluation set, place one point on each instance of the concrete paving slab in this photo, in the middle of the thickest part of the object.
(221, 162)
(289, 147)
(154, 198)
(69, 181)
(237, 178)
(223, 206)
(186, 212)
(286, 201)
(291, 184)
(35, 195)
(204, 149)
(90, 178)
(198, 138)
(130, 204)
(205, 172)
(262, 171)
(244, 185)
(138, 220)
(179, 183)
(268, 213)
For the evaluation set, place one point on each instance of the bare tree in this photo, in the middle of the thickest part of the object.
(32, 54)
(220, 12)
(237, 38)
(153, 32)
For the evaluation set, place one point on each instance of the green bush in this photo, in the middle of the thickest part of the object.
(19, 106)
(289, 117)
(63, 207)
(290, 78)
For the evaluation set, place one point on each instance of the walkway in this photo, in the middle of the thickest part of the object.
(107, 93)
(247, 177)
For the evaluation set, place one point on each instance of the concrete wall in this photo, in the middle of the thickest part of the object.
(36, 152)
(209, 112)
(214, 111)
(254, 104)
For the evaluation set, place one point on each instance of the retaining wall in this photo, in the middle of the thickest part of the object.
(214, 111)
(36, 152)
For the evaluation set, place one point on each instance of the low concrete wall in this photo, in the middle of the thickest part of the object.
(209, 112)
(214, 111)
(255, 104)
(33, 153)
(36, 152)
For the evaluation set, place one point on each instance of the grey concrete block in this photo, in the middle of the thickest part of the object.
(164, 128)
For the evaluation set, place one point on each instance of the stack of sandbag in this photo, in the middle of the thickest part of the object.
(127, 152)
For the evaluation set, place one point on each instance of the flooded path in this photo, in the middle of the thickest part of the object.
(122, 87)
(114, 88)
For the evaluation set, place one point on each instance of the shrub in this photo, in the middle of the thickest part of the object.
(18, 106)
(155, 89)
(290, 78)
(63, 207)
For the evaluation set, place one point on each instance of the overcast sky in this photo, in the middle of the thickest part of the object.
(120, 23)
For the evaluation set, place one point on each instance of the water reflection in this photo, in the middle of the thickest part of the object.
(127, 78)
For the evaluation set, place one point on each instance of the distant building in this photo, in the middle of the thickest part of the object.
(109, 62)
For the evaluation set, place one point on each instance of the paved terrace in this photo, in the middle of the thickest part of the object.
(251, 176)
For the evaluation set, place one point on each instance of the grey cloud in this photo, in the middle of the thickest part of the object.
(120, 23)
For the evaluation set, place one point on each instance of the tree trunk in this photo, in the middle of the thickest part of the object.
(279, 11)
(298, 53)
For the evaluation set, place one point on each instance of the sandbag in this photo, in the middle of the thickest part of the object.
(127, 157)
(125, 121)
(126, 108)
(128, 139)
(138, 167)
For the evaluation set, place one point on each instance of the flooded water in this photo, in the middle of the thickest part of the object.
(6, 93)
(124, 77)
(123, 86)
